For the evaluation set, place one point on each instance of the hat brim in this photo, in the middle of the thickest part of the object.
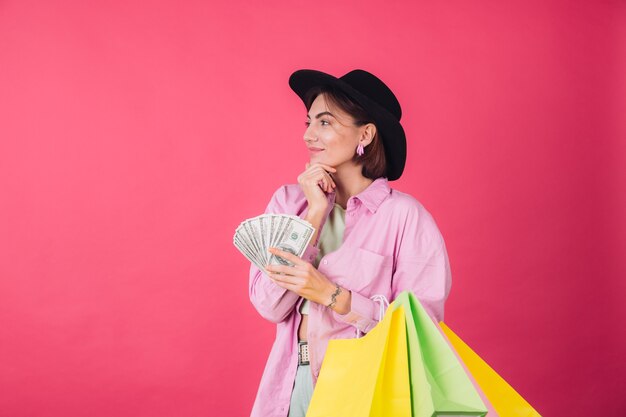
(394, 138)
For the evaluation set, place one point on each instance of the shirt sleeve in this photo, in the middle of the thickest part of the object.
(429, 279)
(363, 312)
(421, 266)
(272, 301)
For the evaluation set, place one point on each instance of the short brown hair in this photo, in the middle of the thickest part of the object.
(373, 160)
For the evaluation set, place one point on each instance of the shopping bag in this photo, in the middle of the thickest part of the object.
(439, 383)
(491, 412)
(366, 377)
(506, 401)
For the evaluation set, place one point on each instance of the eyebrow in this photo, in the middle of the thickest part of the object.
(322, 114)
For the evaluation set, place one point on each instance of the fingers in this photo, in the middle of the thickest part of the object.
(327, 182)
(288, 277)
(285, 270)
(285, 279)
(325, 166)
(317, 166)
(325, 185)
(319, 174)
(316, 172)
(286, 255)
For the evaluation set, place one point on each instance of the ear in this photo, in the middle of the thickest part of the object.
(368, 133)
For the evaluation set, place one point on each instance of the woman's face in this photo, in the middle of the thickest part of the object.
(333, 132)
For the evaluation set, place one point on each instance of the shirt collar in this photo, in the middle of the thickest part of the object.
(374, 194)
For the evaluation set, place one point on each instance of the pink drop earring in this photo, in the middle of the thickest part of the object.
(359, 149)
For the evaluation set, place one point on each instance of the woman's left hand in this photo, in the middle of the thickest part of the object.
(302, 278)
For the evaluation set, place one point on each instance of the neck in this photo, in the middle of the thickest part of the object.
(350, 182)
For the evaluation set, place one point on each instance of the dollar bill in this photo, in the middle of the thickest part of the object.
(293, 238)
(287, 232)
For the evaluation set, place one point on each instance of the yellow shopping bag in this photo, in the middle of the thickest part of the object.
(506, 401)
(366, 377)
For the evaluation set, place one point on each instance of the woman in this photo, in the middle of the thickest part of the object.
(371, 242)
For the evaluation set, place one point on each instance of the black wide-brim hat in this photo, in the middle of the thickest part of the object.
(377, 100)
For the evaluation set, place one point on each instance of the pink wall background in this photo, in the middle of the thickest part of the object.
(135, 136)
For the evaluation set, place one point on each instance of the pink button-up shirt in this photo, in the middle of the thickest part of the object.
(391, 243)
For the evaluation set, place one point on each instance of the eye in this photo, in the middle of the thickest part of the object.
(324, 121)
(307, 123)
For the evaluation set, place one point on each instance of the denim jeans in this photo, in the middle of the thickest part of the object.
(302, 392)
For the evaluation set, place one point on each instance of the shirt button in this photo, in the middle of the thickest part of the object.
(325, 262)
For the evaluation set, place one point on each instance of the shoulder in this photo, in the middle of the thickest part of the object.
(406, 204)
(287, 196)
(412, 215)
(288, 193)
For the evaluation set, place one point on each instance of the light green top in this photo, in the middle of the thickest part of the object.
(330, 240)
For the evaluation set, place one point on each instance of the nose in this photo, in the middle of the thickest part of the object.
(310, 134)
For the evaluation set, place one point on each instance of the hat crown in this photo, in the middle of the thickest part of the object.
(372, 87)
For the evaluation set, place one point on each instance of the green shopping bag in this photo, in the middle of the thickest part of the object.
(366, 377)
(439, 383)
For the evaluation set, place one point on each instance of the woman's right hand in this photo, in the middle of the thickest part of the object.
(315, 181)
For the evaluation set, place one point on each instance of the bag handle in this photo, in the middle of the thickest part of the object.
(383, 306)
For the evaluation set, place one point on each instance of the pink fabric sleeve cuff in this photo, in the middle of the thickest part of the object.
(363, 312)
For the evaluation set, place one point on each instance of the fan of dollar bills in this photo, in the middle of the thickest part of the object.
(283, 231)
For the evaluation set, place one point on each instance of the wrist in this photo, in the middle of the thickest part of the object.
(315, 216)
(326, 295)
(339, 299)
(315, 213)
